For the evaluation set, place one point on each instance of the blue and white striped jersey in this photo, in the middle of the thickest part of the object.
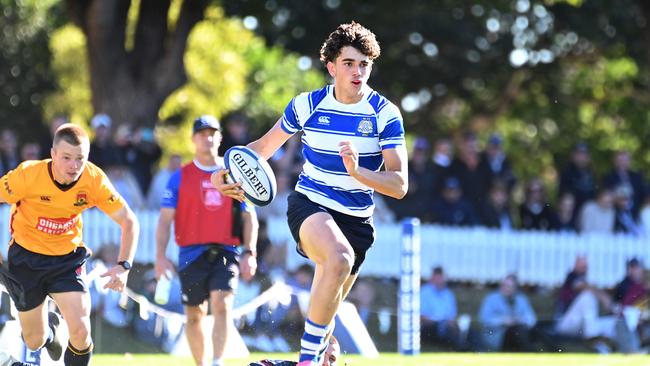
(372, 124)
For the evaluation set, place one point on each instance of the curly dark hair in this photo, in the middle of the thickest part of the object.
(350, 34)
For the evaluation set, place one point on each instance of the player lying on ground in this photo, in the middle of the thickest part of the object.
(330, 357)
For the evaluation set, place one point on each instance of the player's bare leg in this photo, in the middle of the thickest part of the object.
(34, 326)
(324, 243)
(194, 331)
(221, 303)
(75, 308)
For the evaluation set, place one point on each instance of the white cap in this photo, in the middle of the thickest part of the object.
(101, 120)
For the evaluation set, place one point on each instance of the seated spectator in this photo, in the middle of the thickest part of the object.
(495, 165)
(535, 213)
(465, 167)
(30, 151)
(507, 318)
(496, 211)
(452, 208)
(625, 221)
(630, 295)
(438, 312)
(566, 220)
(578, 309)
(160, 180)
(578, 177)
(632, 291)
(622, 174)
(597, 216)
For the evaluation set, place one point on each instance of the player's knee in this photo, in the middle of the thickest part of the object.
(79, 336)
(193, 319)
(221, 305)
(34, 340)
(340, 264)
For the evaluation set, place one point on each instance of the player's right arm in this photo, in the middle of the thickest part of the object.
(163, 232)
(268, 144)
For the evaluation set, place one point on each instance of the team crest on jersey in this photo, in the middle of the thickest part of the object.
(365, 127)
(82, 199)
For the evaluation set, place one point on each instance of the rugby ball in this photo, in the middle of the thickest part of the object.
(255, 174)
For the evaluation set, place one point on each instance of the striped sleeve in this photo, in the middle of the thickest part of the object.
(390, 126)
(296, 113)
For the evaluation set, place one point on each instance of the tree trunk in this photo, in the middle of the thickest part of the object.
(131, 85)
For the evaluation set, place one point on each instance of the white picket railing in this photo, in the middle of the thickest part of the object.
(467, 254)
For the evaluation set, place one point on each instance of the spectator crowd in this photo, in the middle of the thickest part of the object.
(449, 184)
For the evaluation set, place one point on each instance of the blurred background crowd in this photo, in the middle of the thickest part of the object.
(464, 181)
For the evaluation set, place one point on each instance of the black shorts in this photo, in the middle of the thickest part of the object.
(41, 274)
(359, 231)
(215, 269)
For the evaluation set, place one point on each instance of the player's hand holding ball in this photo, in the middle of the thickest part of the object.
(253, 177)
(232, 190)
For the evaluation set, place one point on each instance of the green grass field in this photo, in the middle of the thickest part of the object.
(391, 359)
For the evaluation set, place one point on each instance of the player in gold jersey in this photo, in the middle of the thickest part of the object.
(46, 254)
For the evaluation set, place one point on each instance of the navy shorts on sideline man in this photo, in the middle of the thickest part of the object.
(41, 274)
(215, 269)
(358, 230)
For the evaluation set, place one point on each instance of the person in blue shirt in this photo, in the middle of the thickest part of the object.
(438, 312)
(349, 132)
(507, 318)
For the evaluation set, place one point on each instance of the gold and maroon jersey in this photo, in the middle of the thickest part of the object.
(46, 216)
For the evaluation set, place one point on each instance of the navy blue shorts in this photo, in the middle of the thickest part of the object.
(41, 275)
(359, 231)
(215, 269)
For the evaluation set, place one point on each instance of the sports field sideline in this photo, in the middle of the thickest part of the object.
(392, 359)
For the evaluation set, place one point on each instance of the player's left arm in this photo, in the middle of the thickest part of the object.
(130, 228)
(393, 181)
(248, 260)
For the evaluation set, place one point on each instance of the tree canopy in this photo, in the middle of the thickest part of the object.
(545, 74)
(245, 74)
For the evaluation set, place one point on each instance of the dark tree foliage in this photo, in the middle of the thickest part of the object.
(25, 73)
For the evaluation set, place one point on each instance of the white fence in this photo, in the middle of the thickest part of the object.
(467, 254)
